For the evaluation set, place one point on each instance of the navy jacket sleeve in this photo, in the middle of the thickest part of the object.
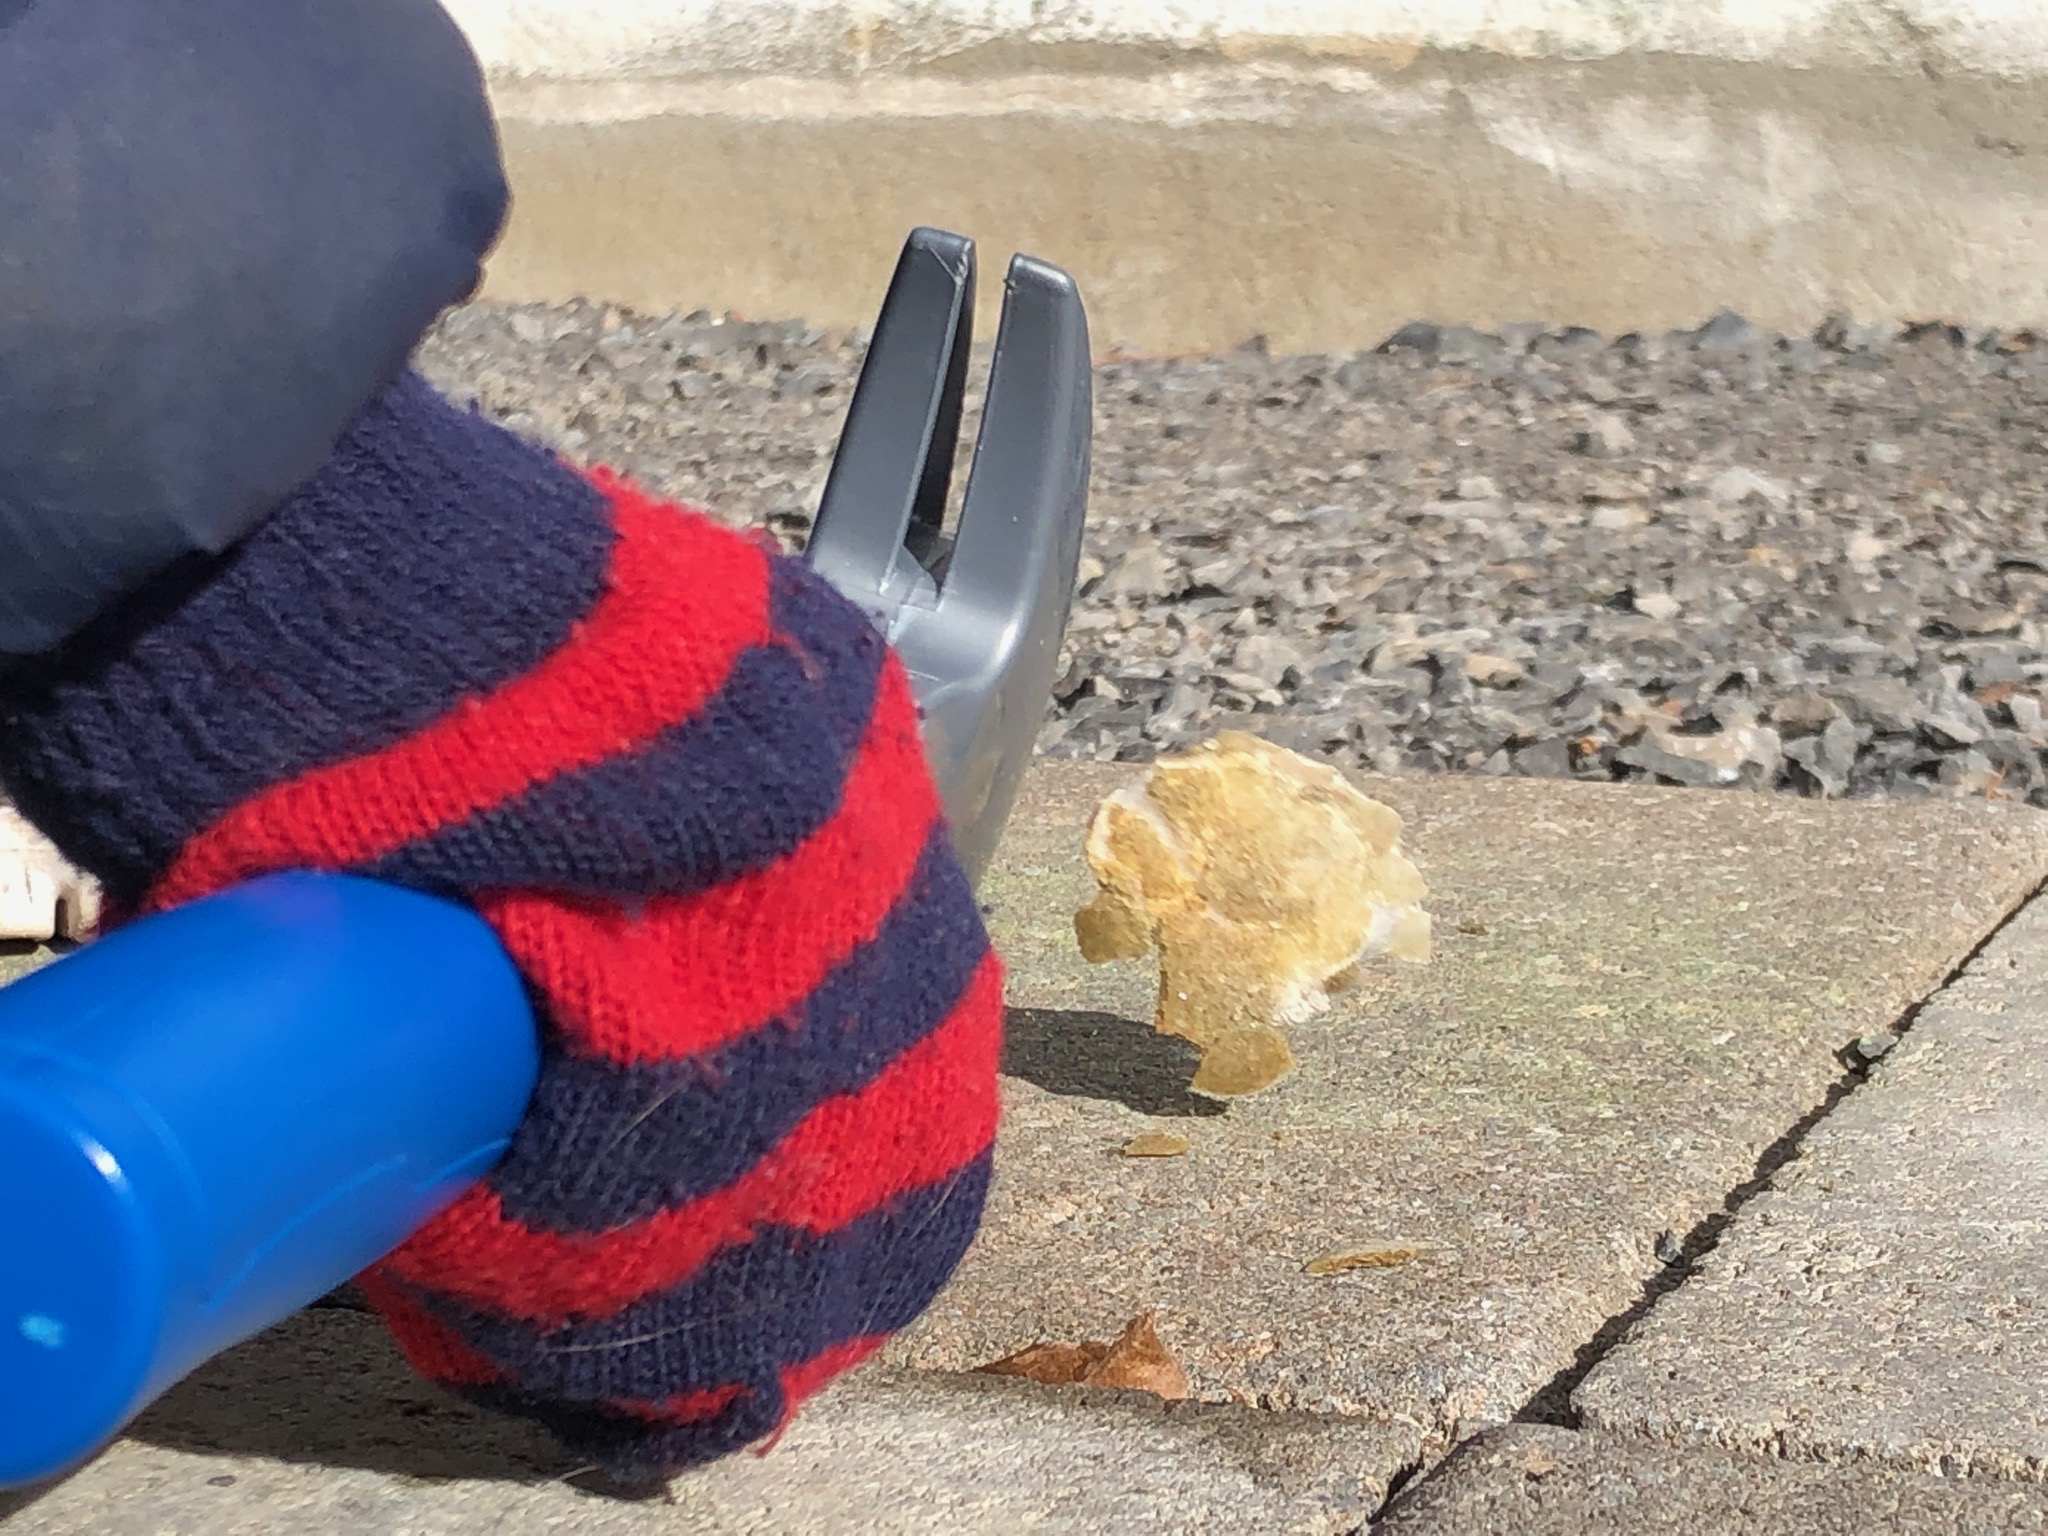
(224, 225)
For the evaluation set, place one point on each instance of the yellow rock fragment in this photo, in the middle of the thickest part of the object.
(1155, 1144)
(1366, 1256)
(1264, 880)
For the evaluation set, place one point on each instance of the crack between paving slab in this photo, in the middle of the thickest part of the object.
(1552, 1402)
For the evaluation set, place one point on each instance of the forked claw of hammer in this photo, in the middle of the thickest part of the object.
(976, 612)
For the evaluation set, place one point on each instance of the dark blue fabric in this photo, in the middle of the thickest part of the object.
(780, 1300)
(603, 1145)
(224, 225)
(737, 786)
(434, 556)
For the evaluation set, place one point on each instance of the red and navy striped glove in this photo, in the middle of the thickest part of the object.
(682, 778)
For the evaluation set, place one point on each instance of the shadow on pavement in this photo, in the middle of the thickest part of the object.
(328, 1387)
(1086, 1055)
(14, 1503)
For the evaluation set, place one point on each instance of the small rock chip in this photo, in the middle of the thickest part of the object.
(1477, 488)
(1620, 516)
(1725, 332)
(1380, 1255)
(1614, 489)
(1493, 671)
(1951, 728)
(1882, 455)
(1661, 606)
(1267, 657)
(1827, 757)
(1416, 336)
(804, 383)
(1156, 1144)
(1606, 436)
(1738, 486)
(1883, 703)
(1838, 744)
(1803, 713)
(1653, 759)
(1144, 572)
(1551, 759)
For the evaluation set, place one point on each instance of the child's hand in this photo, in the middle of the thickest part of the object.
(683, 779)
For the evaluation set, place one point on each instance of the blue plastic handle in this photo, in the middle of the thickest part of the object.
(209, 1119)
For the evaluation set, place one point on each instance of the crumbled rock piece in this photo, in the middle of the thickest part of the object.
(1379, 1255)
(1155, 1144)
(1263, 880)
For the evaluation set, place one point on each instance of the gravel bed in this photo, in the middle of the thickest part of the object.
(1717, 557)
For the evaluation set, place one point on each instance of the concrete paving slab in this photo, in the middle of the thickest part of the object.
(1888, 1296)
(1533, 1480)
(318, 1428)
(1637, 992)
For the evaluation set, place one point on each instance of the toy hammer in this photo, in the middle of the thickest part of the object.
(213, 1117)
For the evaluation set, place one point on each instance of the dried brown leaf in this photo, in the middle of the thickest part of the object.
(1137, 1360)
(1051, 1365)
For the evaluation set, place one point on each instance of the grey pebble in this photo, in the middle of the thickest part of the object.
(1606, 436)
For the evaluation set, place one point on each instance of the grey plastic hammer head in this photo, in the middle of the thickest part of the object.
(977, 613)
